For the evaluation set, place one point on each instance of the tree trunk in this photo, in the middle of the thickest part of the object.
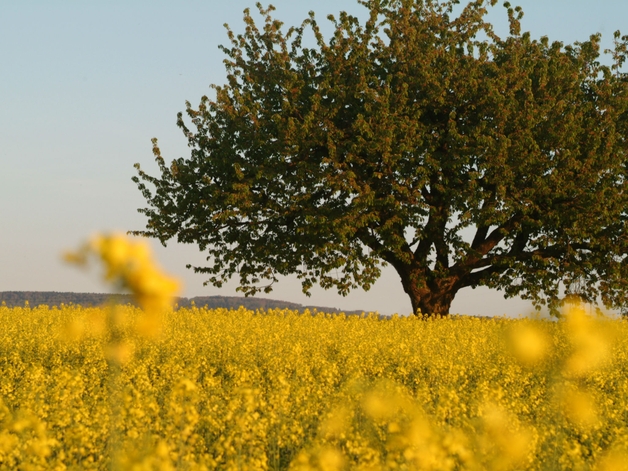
(429, 295)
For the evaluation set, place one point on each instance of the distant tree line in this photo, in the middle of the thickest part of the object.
(55, 298)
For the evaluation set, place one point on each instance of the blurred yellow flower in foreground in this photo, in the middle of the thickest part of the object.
(121, 352)
(505, 440)
(590, 341)
(579, 407)
(613, 461)
(129, 265)
(529, 343)
(330, 459)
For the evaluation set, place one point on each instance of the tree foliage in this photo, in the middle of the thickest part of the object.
(420, 139)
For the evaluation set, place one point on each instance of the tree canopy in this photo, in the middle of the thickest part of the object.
(420, 139)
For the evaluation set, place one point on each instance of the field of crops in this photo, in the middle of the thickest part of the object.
(85, 388)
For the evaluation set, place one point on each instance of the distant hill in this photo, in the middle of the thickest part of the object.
(54, 298)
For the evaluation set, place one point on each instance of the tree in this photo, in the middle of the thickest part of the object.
(420, 139)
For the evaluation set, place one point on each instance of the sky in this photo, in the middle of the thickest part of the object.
(85, 85)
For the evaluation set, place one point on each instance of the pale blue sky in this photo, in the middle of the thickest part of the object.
(85, 85)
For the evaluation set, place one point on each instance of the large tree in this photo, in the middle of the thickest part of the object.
(420, 139)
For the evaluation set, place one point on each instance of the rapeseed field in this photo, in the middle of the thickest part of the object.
(247, 390)
(157, 388)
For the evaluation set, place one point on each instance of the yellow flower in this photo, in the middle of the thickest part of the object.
(129, 265)
(330, 459)
(590, 341)
(579, 407)
(613, 461)
(120, 353)
(529, 343)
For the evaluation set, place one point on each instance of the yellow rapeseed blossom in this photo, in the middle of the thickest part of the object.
(579, 407)
(529, 343)
(504, 441)
(590, 339)
(129, 266)
(82, 388)
(615, 460)
(337, 423)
